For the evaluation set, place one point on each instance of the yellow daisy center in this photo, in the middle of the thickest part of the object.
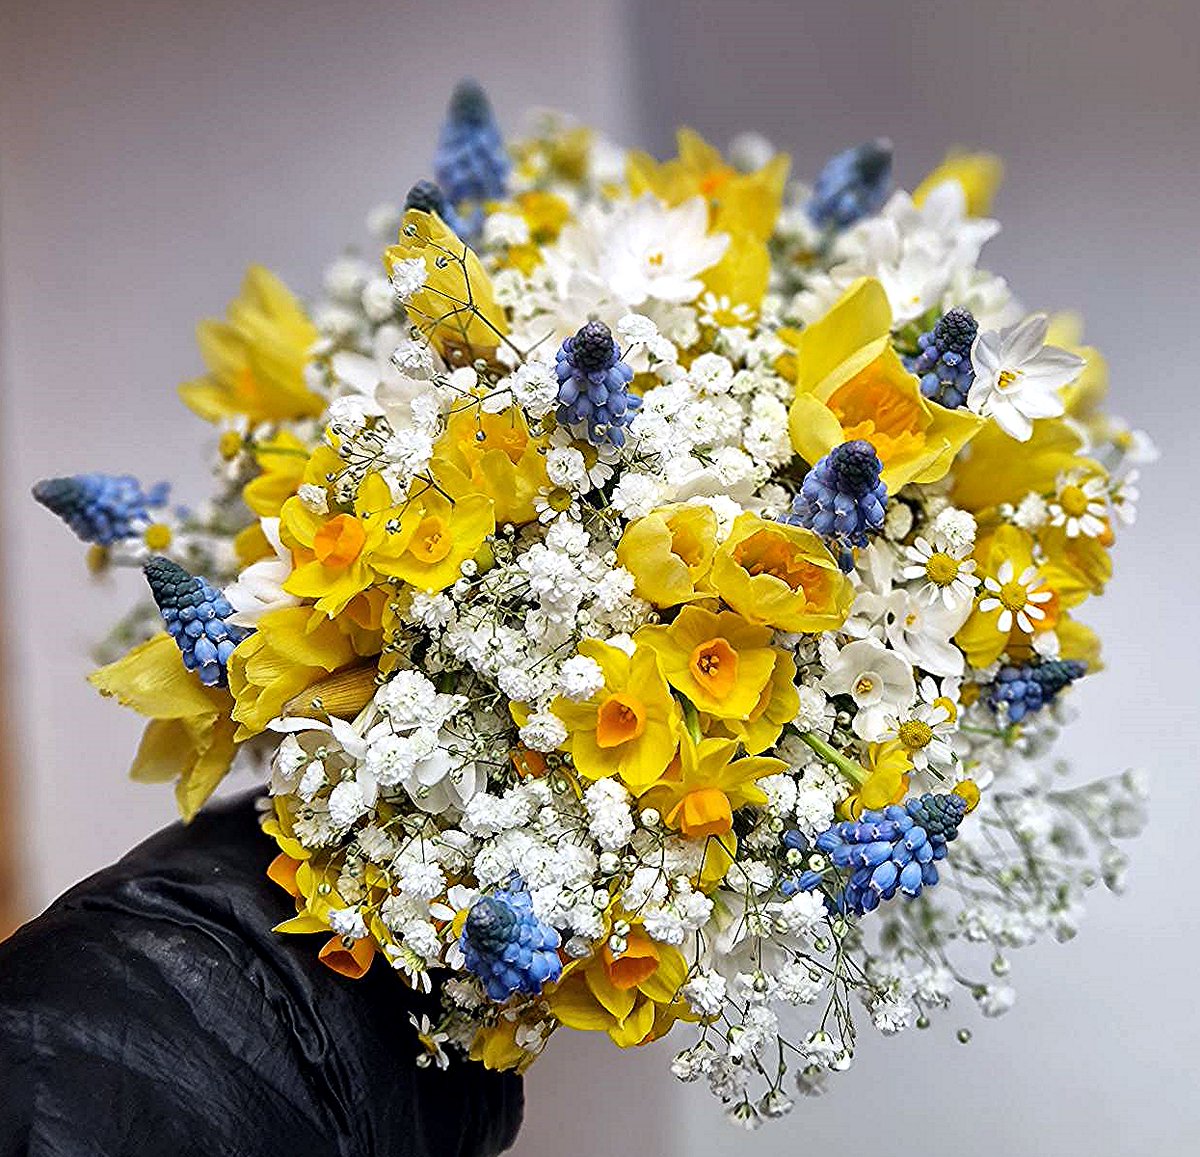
(1013, 596)
(1007, 378)
(157, 536)
(1073, 501)
(915, 734)
(941, 569)
(230, 445)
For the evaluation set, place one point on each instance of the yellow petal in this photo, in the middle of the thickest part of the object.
(456, 307)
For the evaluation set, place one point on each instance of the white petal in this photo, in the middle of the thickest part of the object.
(1023, 340)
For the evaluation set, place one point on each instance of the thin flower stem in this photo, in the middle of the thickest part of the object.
(854, 772)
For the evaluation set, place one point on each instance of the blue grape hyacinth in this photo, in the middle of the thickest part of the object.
(944, 363)
(1025, 689)
(428, 197)
(195, 613)
(471, 163)
(890, 850)
(843, 498)
(507, 946)
(593, 385)
(101, 508)
(852, 185)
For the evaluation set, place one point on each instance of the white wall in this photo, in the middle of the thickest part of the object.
(148, 152)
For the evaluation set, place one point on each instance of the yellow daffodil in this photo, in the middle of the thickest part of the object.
(455, 308)
(292, 649)
(284, 463)
(705, 785)
(780, 575)
(851, 383)
(738, 202)
(669, 553)
(495, 1047)
(738, 282)
(979, 174)
(1018, 600)
(256, 357)
(334, 551)
(630, 728)
(776, 707)
(498, 455)
(312, 881)
(439, 529)
(718, 660)
(996, 469)
(190, 737)
(633, 997)
(889, 768)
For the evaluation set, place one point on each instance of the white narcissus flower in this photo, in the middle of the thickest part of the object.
(639, 251)
(878, 680)
(1018, 377)
(259, 588)
(921, 631)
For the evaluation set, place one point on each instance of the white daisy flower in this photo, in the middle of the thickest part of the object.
(947, 573)
(926, 728)
(1124, 498)
(1080, 506)
(432, 1039)
(1017, 596)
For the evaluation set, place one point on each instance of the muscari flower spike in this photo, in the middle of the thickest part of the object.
(944, 363)
(471, 163)
(101, 508)
(507, 946)
(843, 498)
(1028, 688)
(195, 613)
(852, 185)
(427, 196)
(890, 850)
(593, 385)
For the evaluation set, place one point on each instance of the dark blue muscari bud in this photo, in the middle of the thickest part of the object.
(505, 944)
(593, 385)
(843, 498)
(428, 197)
(101, 508)
(471, 163)
(944, 363)
(195, 614)
(852, 185)
(889, 850)
(1025, 689)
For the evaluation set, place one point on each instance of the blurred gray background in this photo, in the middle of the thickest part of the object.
(149, 152)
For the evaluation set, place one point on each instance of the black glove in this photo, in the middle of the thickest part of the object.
(151, 1010)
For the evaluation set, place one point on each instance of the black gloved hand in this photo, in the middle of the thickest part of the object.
(151, 1010)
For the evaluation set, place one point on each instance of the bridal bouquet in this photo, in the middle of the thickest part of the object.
(651, 589)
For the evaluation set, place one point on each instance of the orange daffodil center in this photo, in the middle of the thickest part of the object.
(718, 661)
(780, 576)
(630, 727)
(340, 541)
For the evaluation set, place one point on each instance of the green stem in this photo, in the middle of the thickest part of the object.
(691, 719)
(854, 772)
